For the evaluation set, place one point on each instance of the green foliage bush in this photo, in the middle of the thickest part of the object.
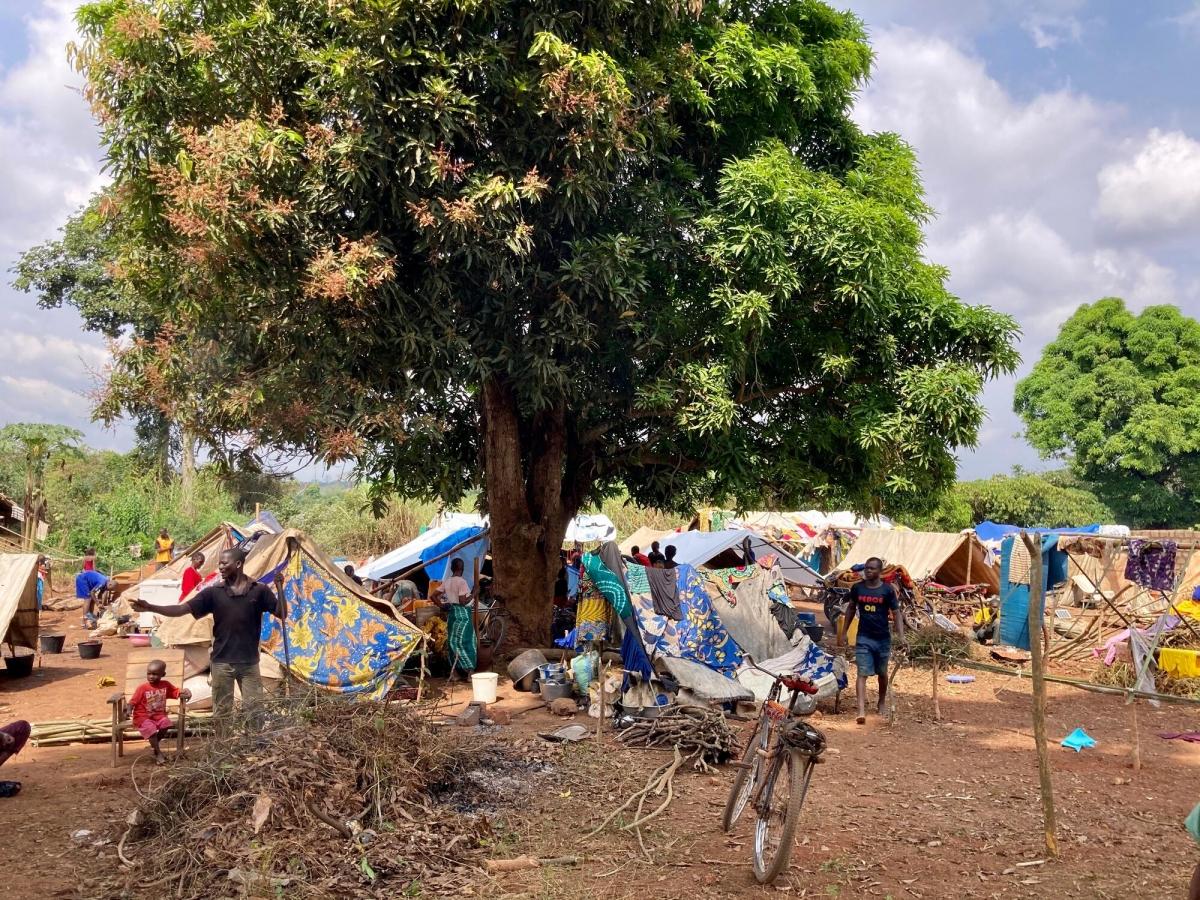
(1051, 499)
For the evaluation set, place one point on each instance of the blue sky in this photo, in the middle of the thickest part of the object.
(1059, 141)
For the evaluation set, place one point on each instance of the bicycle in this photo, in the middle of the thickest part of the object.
(493, 617)
(775, 773)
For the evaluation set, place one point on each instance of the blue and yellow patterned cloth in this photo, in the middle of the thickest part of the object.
(337, 641)
(699, 635)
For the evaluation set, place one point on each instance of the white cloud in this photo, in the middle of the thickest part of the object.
(31, 399)
(51, 158)
(1014, 181)
(1188, 20)
(1048, 32)
(962, 19)
(1156, 188)
(980, 148)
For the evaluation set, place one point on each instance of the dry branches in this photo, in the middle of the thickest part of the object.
(702, 736)
(334, 800)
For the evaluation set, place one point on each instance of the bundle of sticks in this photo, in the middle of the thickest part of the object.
(702, 736)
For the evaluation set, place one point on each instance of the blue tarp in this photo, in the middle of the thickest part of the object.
(993, 531)
(1014, 597)
(439, 570)
(988, 530)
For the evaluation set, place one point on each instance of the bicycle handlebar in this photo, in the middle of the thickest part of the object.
(789, 680)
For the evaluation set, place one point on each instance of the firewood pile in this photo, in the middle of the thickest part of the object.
(702, 736)
(333, 799)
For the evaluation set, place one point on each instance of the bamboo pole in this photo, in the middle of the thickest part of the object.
(603, 696)
(1076, 683)
(1037, 594)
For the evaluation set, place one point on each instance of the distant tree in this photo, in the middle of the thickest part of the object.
(33, 447)
(549, 251)
(1051, 499)
(1118, 395)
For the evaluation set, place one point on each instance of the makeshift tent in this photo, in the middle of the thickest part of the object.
(697, 635)
(340, 637)
(590, 530)
(18, 599)
(163, 589)
(722, 549)
(1015, 575)
(644, 537)
(744, 598)
(410, 555)
(950, 559)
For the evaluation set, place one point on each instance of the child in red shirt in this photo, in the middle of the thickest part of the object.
(149, 706)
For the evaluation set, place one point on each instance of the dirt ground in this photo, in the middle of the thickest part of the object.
(921, 809)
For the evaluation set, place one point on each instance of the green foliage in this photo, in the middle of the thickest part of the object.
(76, 270)
(1050, 499)
(341, 521)
(1119, 395)
(111, 501)
(644, 245)
(27, 450)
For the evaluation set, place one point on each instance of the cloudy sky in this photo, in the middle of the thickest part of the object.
(1060, 144)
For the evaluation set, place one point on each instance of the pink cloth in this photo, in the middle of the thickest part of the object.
(150, 727)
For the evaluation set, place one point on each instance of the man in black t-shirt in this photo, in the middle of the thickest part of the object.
(871, 600)
(237, 605)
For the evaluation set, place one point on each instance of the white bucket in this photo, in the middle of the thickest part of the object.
(483, 687)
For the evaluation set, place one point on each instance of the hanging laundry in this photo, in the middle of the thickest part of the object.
(664, 592)
(1179, 661)
(1152, 564)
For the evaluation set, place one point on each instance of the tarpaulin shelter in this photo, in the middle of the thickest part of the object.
(340, 637)
(1015, 577)
(950, 559)
(644, 537)
(468, 525)
(164, 587)
(722, 549)
(590, 529)
(18, 599)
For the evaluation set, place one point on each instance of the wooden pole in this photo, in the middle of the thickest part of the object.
(1137, 741)
(475, 610)
(1037, 595)
(603, 694)
(937, 709)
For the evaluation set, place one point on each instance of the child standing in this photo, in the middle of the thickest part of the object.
(149, 706)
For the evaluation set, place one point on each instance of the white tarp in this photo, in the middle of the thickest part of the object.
(590, 529)
(18, 599)
(699, 548)
(410, 554)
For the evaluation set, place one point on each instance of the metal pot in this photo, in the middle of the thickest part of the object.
(525, 664)
(552, 690)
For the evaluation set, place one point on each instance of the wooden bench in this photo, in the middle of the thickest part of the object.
(135, 675)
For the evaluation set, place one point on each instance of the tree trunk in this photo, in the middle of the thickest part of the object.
(30, 508)
(529, 512)
(187, 473)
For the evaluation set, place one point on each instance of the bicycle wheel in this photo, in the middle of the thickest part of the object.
(834, 608)
(493, 629)
(917, 616)
(747, 776)
(778, 812)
